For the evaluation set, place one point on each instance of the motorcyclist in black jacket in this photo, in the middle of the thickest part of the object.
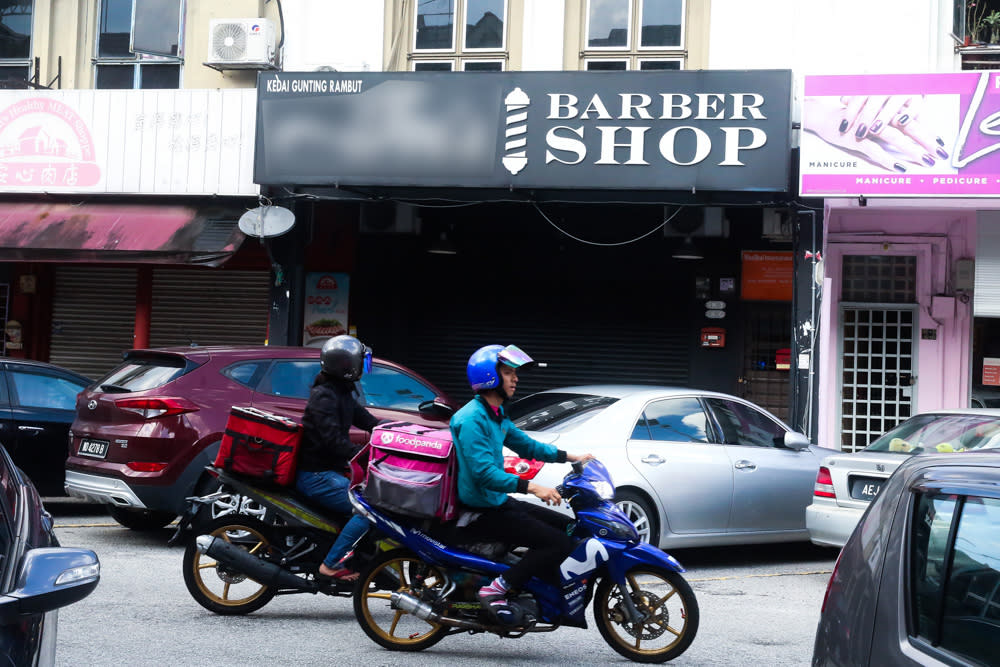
(326, 447)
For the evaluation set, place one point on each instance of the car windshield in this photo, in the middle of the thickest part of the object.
(138, 374)
(940, 433)
(556, 412)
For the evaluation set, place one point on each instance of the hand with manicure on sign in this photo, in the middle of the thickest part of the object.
(885, 130)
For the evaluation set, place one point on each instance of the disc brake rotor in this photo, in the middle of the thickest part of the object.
(656, 620)
(229, 576)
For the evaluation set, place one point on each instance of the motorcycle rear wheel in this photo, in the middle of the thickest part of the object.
(221, 589)
(394, 629)
(670, 606)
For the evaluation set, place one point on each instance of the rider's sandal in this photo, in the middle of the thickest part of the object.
(341, 574)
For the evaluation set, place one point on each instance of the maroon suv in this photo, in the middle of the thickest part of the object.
(144, 433)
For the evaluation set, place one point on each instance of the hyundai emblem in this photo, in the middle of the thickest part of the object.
(92, 405)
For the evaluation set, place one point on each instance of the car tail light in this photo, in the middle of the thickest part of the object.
(151, 408)
(829, 584)
(146, 466)
(523, 468)
(824, 484)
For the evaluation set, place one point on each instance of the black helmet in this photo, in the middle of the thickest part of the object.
(345, 358)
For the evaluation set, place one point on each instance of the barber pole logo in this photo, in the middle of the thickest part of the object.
(515, 157)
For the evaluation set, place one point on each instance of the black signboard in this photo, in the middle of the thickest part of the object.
(703, 130)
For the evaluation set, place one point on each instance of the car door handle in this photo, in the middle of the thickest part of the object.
(653, 459)
(32, 429)
(743, 464)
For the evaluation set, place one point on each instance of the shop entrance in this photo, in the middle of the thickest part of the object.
(877, 370)
(767, 342)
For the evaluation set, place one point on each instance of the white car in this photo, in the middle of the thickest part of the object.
(691, 467)
(847, 483)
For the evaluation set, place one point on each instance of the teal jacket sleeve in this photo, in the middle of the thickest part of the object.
(473, 440)
(530, 448)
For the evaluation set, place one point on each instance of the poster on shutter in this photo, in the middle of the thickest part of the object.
(767, 276)
(325, 308)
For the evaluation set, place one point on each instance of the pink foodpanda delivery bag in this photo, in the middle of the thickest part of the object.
(409, 469)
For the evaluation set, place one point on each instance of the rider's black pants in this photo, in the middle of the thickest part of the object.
(523, 524)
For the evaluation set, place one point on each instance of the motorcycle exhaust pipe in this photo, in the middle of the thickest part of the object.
(422, 610)
(267, 574)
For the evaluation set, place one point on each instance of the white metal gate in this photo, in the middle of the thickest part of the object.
(877, 370)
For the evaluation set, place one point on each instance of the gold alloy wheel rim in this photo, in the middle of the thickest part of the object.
(654, 606)
(201, 566)
(398, 569)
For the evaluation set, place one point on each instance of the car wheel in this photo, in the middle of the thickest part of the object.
(641, 513)
(138, 519)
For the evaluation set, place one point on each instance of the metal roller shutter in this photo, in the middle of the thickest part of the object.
(206, 307)
(93, 318)
(986, 297)
(629, 354)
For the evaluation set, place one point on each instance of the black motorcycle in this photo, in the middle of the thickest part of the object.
(247, 543)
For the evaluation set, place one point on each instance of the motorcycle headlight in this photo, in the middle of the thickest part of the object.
(618, 529)
(604, 490)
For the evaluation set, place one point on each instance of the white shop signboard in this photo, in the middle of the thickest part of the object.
(185, 142)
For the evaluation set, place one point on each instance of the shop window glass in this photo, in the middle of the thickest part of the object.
(157, 27)
(608, 24)
(483, 66)
(657, 65)
(607, 65)
(432, 66)
(15, 30)
(13, 76)
(677, 420)
(661, 22)
(484, 24)
(435, 25)
(117, 66)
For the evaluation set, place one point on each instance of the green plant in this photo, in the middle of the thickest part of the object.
(974, 19)
(993, 21)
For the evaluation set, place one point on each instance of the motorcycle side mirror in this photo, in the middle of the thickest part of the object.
(436, 408)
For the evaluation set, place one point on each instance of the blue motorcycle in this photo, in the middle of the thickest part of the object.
(410, 598)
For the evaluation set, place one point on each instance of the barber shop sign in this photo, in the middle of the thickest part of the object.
(714, 130)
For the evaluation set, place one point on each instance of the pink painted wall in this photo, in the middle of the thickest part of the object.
(936, 232)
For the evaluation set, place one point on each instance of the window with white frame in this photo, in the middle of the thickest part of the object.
(634, 35)
(15, 43)
(116, 66)
(459, 35)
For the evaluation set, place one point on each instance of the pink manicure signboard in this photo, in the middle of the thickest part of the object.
(901, 135)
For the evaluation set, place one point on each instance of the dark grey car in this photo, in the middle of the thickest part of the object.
(918, 581)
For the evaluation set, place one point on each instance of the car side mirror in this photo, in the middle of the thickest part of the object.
(796, 441)
(436, 408)
(51, 578)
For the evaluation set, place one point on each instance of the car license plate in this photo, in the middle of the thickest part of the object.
(97, 449)
(866, 488)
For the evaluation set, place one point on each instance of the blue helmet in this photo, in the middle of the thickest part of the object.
(483, 367)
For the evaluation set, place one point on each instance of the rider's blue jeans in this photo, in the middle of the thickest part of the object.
(329, 489)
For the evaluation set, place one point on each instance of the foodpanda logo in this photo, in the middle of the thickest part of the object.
(515, 155)
(387, 438)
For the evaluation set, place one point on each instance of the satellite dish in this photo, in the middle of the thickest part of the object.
(265, 221)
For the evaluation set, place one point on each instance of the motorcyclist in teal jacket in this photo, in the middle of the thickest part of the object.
(480, 430)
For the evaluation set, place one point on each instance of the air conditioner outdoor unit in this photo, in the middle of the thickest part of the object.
(241, 44)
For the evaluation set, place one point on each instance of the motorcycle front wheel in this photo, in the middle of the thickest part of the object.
(394, 629)
(670, 608)
(222, 589)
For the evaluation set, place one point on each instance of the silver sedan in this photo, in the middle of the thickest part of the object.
(847, 483)
(691, 467)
